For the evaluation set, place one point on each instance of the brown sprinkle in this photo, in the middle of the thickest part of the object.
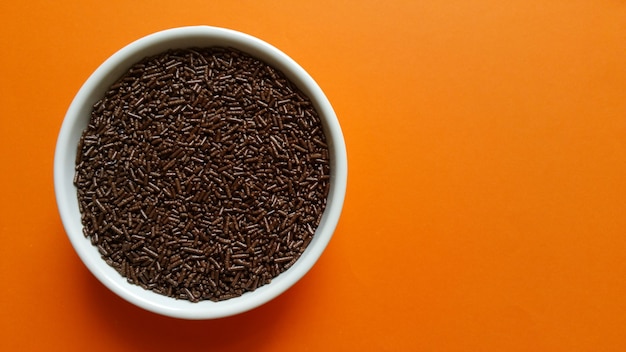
(202, 174)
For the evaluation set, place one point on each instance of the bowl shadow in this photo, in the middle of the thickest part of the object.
(139, 329)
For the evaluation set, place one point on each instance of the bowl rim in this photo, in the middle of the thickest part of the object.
(75, 120)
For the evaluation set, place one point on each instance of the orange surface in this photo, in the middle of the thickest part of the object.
(486, 206)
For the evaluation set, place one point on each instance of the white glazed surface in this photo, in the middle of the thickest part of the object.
(77, 117)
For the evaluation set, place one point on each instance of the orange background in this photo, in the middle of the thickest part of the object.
(486, 202)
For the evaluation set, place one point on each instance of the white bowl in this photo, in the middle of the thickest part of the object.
(77, 118)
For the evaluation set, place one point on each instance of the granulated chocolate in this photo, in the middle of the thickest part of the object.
(203, 174)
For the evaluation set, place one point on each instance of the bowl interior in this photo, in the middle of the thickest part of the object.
(77, 118)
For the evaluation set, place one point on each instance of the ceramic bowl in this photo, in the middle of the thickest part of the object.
(77, 118)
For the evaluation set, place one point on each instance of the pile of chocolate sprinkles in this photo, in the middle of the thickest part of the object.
(203, 174)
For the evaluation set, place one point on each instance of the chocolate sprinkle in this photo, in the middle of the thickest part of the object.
(202, 174)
